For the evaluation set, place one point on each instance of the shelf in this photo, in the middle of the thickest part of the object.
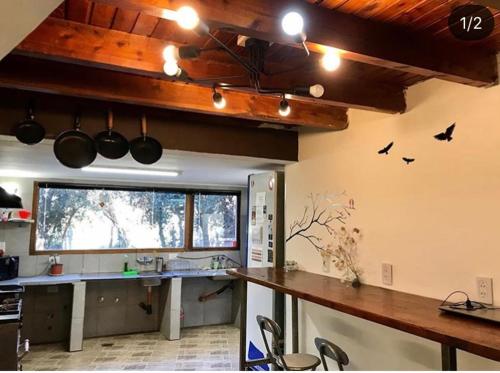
(20, 221)
(10, 213)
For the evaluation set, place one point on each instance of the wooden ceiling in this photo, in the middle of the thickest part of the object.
(423, 16)
(388, 45)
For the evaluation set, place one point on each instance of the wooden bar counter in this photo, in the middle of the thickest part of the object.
(410, 313)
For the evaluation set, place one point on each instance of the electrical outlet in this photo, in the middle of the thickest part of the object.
(485, 290)
(387, 274)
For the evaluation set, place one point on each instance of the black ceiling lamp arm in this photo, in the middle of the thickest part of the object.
(251, 69)
(257, 49)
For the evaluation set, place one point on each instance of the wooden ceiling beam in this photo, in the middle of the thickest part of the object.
(68, 41)
(495, 4)
(360, 39)
(79, 81)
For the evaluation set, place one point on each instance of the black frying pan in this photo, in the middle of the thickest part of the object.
(74, 148)
(145, 149)
(29, 131)
(111, 144)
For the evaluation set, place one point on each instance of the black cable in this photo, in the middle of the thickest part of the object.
(467, 304)
(245, 64)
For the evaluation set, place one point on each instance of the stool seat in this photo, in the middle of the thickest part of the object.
(300, 361)
(275, 354)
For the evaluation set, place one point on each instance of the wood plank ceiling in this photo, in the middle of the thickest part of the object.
(129, 35)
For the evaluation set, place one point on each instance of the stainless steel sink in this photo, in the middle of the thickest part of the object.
(150, 278)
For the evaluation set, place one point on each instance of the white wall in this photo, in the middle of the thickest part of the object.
(436, 220)
(18, 18)
(17, 240)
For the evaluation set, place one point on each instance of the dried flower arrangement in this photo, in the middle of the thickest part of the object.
(342, 249)
(343, 252)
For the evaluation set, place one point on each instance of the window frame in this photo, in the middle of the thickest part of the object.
(188, 216)
(191, 218)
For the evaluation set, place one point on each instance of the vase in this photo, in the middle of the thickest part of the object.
(356, 283)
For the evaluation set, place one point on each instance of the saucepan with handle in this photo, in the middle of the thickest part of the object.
(145, 149)
(74, 148)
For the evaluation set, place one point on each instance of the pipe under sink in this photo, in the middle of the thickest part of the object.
(150, 279)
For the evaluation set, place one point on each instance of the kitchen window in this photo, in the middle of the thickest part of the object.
(215, 221)
(81, 218)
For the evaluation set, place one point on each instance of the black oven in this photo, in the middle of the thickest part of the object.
(13, 350)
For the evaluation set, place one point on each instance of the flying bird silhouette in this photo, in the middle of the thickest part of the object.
(386, 149)
(408, 160)
(446, 135)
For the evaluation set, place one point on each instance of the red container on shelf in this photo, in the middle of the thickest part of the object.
(24, 214)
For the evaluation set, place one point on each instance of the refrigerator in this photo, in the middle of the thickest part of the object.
(265, 248)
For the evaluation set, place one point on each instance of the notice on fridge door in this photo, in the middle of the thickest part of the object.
(257, 255)
(260, 198)
(257, 235)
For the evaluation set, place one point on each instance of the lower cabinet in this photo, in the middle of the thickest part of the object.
(112, 307)
(47, 313)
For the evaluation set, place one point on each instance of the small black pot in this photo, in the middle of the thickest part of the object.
(29, 131)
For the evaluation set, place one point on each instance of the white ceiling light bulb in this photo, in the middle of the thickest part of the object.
(219, 100)
(284, 108)
(187, 18)
(292, 23)
(317, 90)
(331, 59)
(171, 68)
(170, 53)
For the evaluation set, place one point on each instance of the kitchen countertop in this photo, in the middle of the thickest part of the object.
(72, 278)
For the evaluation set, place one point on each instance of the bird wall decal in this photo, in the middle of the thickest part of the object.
(408, 160)
(386, 149)
(446, 135)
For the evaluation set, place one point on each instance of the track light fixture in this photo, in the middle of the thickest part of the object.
(284, 108)
(171, 68)
(293, 25)
(331, 59)
(170, 53)
(188, 19)
(316, 90)
(218, 100)
(173, 53)
(254, 63)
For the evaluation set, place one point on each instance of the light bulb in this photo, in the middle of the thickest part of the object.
(331, 60)
(284, 109)
(171, 68)
(187, 18)
(292, 23)
(316, 90)
(170, 53)
(219, 100)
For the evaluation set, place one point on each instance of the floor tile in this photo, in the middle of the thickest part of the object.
(201, 348)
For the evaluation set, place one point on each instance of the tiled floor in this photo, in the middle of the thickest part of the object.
(202, 348)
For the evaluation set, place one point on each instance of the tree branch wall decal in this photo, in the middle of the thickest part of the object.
(323, 212)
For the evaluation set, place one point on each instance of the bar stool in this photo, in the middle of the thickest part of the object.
(284, 361)
(334, 352)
